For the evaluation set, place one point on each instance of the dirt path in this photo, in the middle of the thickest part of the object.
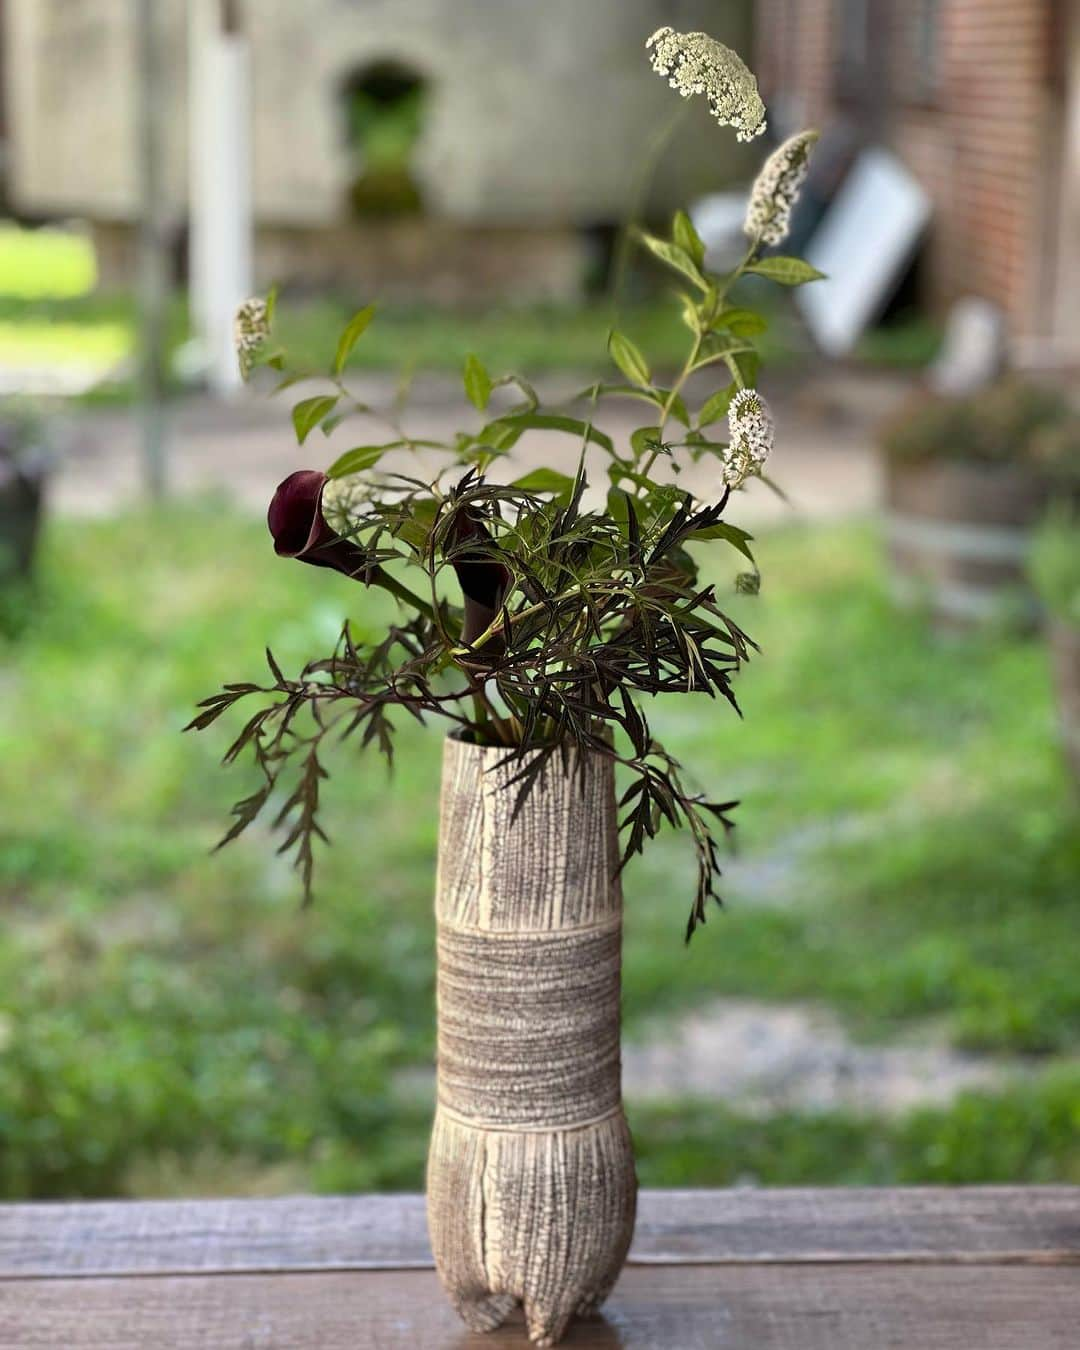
(763, 1058)
(824, 458)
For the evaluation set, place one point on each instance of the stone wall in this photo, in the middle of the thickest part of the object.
(536, 112)
(406, 261)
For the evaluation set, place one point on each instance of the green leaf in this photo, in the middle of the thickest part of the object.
(716, 406)
(271, 304)
(742, 322)
(505, 431)
(737, 538)
(619, 472)
(787, 271)
(308, 413)
(629, 359)
(646, 441)
(657, 395)
(415, 527)
(691, 314)
(675, 257)
(618, 505)
(720, 347)
(747, 363)
(349, 338)
(531, 396)
(289, 379)
(688, 238)
(546, 480)
(678, 408)
(360, 457)
(477, 382)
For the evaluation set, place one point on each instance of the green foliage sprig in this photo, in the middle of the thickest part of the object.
(534, 619)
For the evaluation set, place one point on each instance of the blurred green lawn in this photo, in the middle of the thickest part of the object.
(173, 1022)
(52, 314)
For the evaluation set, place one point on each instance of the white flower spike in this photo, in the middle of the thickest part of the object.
(752, 434)
(776, 189)
(697, 64)
(251, 329)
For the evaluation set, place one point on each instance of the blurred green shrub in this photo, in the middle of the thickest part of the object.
(1055, 564)
(1014, 421)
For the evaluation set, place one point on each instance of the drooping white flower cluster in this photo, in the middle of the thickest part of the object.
(344, 500)
(752, 434)
(697, 64)
(776, 189)
(251, 329)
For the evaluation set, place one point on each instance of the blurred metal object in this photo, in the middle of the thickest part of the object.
(22, 492)
(975, 348)
(718, 219)
(154, 232)
(864, 242)
(222, 225)
(27, 455)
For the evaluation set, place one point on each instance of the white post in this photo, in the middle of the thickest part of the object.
(220, 183)
(153, 244)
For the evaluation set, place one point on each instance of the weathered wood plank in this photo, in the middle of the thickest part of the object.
(842, 1307)
(984, 1224)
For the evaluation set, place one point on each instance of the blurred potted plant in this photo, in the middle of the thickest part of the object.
(966, 480)
(24, 463)
(1055, 569)
(537, 620)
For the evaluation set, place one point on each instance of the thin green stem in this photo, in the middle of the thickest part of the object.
(650, 159)
(379, 576)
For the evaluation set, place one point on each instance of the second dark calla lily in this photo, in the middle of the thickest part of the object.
(483, 580)
(300, 530)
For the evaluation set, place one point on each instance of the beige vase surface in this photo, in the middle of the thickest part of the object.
(531, 1183)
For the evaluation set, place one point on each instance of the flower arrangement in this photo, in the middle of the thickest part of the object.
(536, 614)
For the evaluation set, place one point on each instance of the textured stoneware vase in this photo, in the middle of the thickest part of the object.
(531, 1188)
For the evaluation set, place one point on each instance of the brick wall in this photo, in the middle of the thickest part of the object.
(981, 134)
(794, 59)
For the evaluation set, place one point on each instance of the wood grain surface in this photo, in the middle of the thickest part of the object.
(922, 1269)
(842, 1307)
(999, 1224)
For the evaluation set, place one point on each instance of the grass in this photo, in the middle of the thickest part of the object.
(171, 1021)
(911, 342)
(1029, 1135)
(45, 263)
(51, 315)
(535, 338)
(101, 331)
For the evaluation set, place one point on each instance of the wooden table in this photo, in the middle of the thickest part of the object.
(978, 1269)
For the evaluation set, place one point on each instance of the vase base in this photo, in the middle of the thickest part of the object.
(485, 1312)
(545, 1326)
(541, 1218)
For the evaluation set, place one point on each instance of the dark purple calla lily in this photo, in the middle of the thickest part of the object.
(300, 530)
(484, 582)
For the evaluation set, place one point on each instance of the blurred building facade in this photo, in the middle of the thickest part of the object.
(439, 147)
(981, 101)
